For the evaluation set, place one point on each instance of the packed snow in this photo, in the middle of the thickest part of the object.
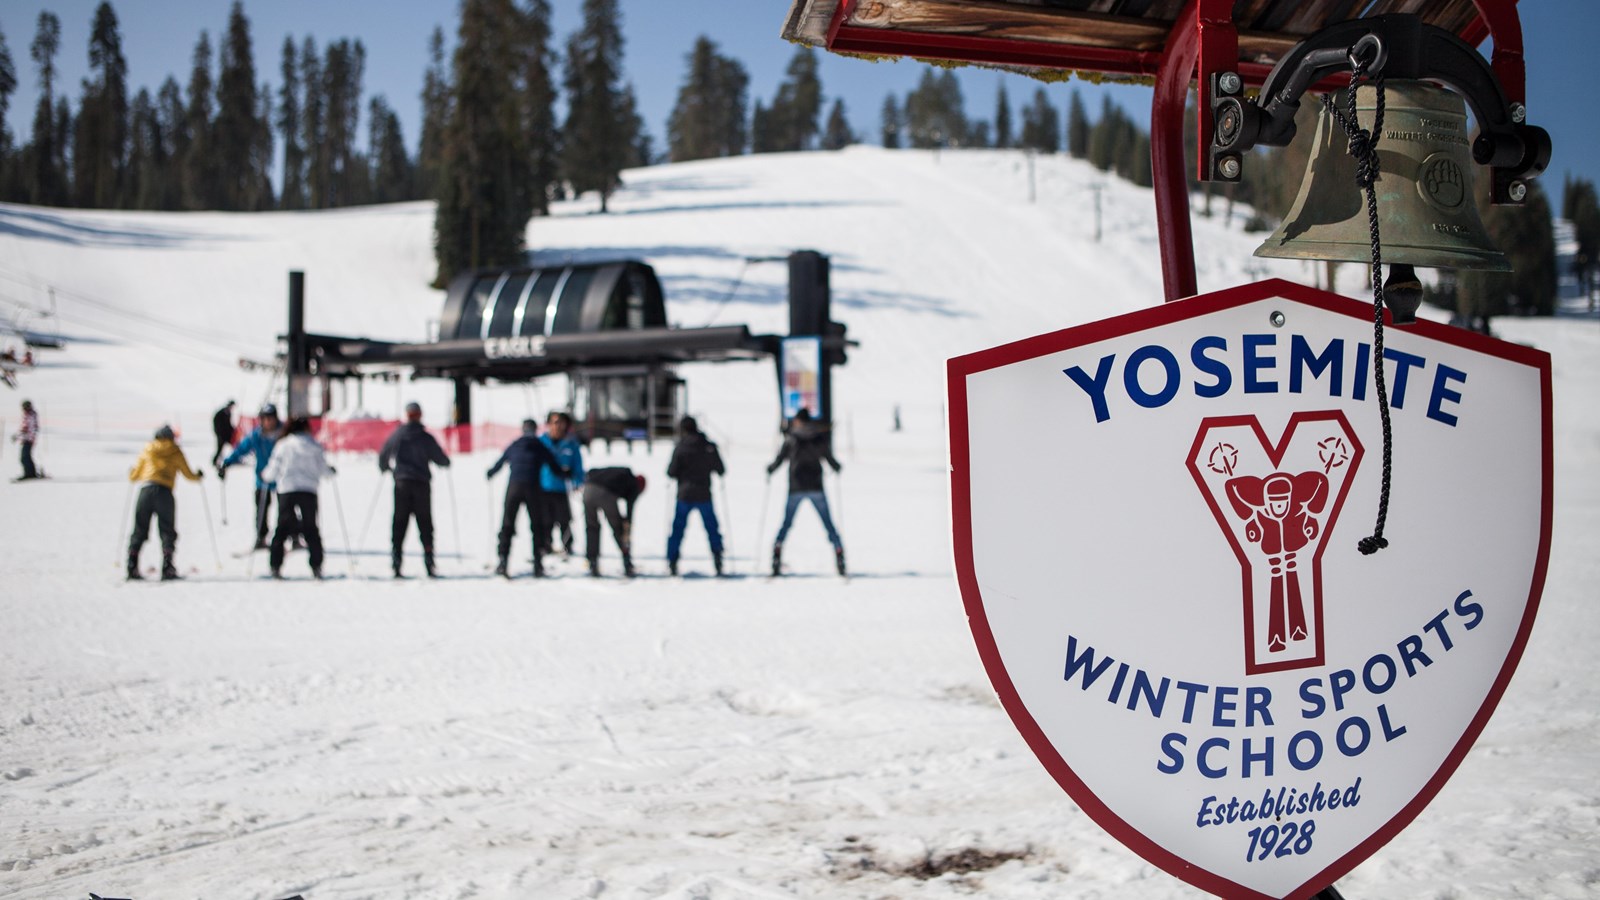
(231, 736)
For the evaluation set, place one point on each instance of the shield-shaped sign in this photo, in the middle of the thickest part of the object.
(1156, 524)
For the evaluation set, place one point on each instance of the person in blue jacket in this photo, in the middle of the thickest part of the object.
(258, 443)
(529, 460)
(553, 487)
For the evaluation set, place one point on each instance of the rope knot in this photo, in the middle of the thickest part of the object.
(1371, 545)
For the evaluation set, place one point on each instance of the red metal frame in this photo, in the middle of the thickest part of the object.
(1203, 42)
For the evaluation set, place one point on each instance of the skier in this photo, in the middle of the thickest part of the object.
(1280, 511)
(693, 462)
(602, 492)
(258, 444)
(158, 467)
(806, 445)
(297, 466)
(26, 437)
(222, 427)
(408, 451)
(553, 488)
(528, 458)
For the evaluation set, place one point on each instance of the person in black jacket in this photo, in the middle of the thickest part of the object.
(527, 457)
(222, 428)
(806, 445)
(408, 451)
(693, 462)
(603, 491)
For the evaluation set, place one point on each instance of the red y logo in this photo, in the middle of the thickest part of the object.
(1277, 504)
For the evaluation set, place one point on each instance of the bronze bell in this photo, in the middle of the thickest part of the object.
(1426, 212)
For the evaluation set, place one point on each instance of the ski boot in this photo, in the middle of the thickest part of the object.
(777, 560)
(627, 567)
(277, 574)
(427, 562)
(716, 562)
(672, 566)
(838, 559)
(316, 573)
(394, 563)
(133, 568)
(594, 568)
(502, 568)
(169, 572)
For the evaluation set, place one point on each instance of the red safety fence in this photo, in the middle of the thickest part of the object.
(368, 435)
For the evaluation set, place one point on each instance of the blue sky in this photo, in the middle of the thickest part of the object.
(159, 38)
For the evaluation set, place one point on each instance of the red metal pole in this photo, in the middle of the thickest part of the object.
(1504, 25)
(1167, 169)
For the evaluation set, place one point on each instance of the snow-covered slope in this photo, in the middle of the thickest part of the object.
(660, 738)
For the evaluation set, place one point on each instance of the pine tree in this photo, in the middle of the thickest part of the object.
(485, 185)
(934, 112)
(536, 90)
(263, 148)
(49, 177)
(708, 118)
(762, 139)
(100, 136)
(141, 188)
(890, 122)
(1524, 234)
(387, 161)
(793, 117)
(1103, 136)
(173, 118)
(1041, 128)
(1077, 127)
(199, 163)
(599, 135)
(10, 178)
(435, 115)
(343, 67)
(837, 135)
(239, 179)
(1581, 206)
(293, 193)
(313, 127)
(1002, 119)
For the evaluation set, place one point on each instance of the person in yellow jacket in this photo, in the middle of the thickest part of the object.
(158, 467)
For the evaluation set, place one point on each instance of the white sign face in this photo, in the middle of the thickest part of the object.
(1156, 524)
(802, 376)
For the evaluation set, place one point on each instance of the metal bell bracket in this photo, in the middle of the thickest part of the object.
(1399, 47)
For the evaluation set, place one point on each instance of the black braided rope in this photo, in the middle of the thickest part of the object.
(1364, 147)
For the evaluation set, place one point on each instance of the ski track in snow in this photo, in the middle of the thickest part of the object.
(227, 736)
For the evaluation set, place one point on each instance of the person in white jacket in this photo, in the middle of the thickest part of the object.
(297, 466)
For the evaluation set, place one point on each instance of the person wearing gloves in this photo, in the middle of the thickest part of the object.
(409, 451)
(529, 458)
(258, 444)
(604, 492)
(156, 470)
(297, 467)
(694, 460)
(806, 445)
(553, 487)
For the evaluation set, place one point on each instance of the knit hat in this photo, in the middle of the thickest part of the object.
(413, 410)
(164, 433)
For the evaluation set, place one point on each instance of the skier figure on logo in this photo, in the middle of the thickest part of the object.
(1280, 510)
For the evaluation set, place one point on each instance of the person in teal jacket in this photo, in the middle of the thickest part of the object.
(553, 487)
(258, 443)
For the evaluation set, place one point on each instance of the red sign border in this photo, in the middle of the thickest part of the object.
(959, 368)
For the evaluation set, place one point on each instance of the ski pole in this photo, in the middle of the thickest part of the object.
(344, 532)
(127, 505)
(372, 509)
(263, 497)
(455, 523)
(205, 502)
(761, 523)
(727, 514)
(222, 494)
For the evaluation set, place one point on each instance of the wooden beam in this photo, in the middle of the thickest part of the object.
(807, 22)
